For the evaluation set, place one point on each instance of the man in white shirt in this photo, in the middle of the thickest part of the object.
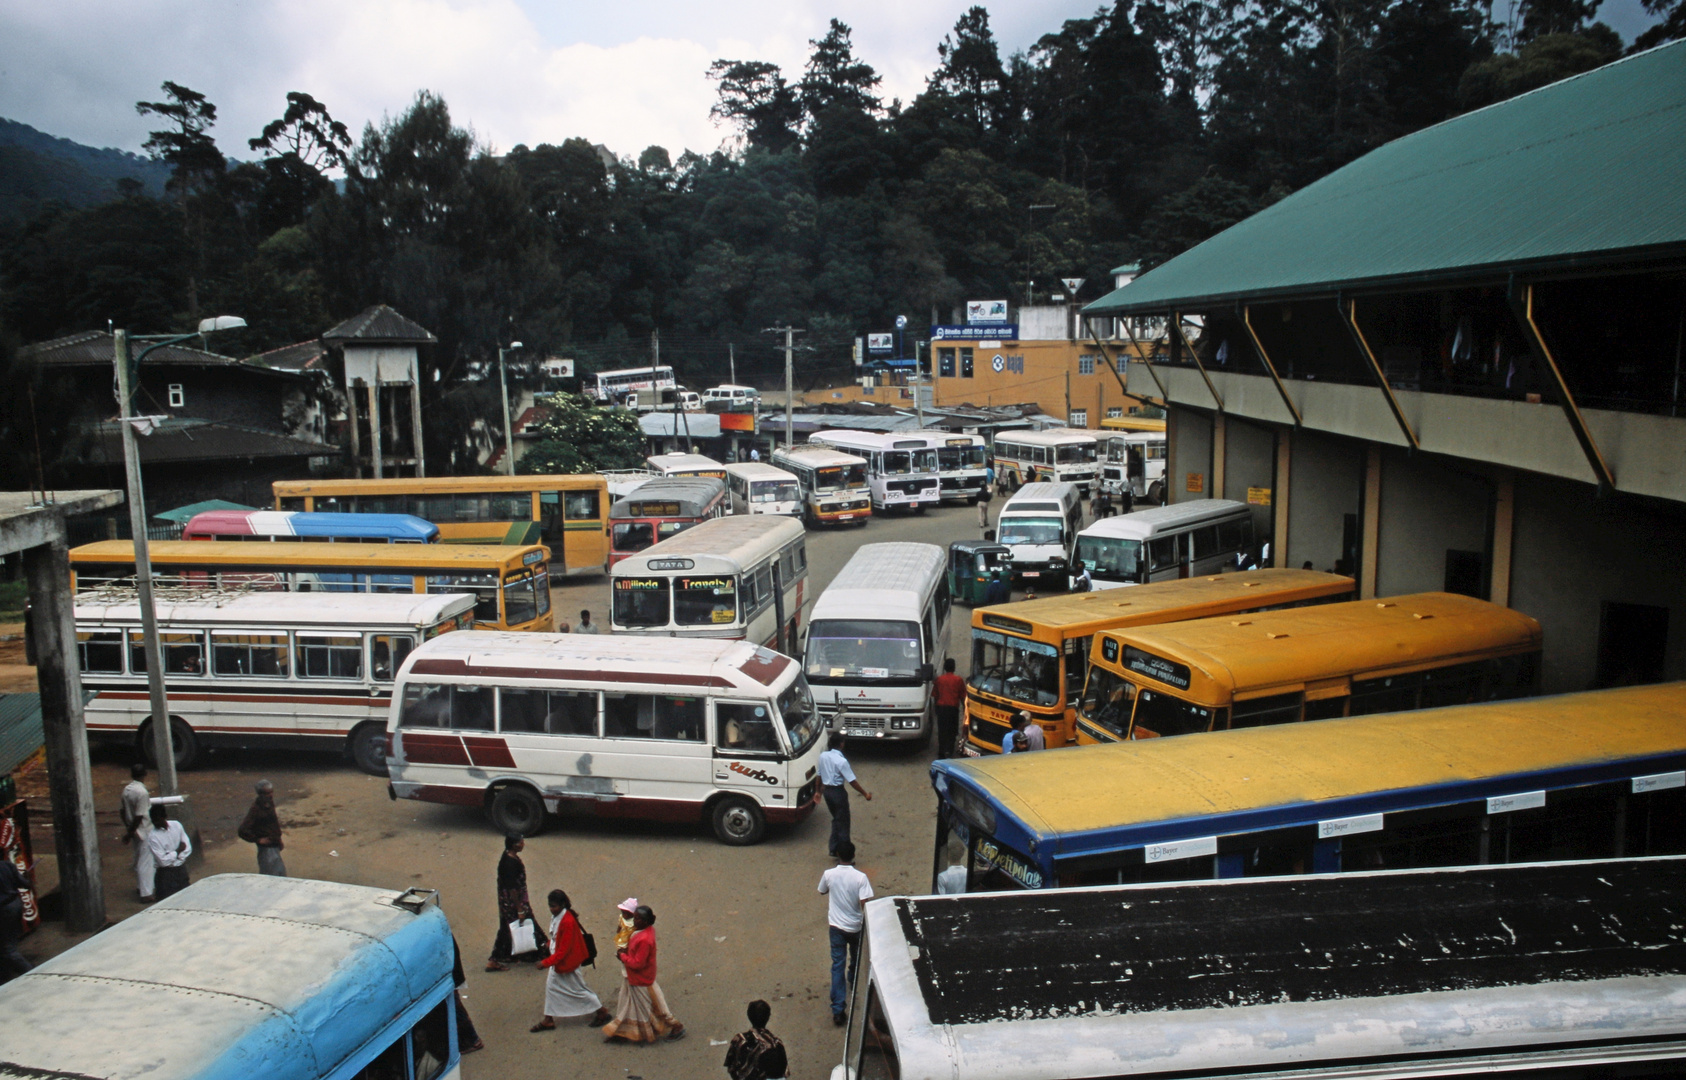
(170, 850)
(586, 625)
(834, 774)
(137, 826)
(847, 889)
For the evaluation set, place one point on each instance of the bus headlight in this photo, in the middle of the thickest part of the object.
(910, 724)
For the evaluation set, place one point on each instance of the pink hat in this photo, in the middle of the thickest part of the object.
(629, 905)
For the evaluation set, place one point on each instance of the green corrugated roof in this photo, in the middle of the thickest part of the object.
(181, 515)
(20, 729)
(1594, 165)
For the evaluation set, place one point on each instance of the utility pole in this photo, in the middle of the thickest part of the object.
(732, 359)
(789, 389)
(1068, 397)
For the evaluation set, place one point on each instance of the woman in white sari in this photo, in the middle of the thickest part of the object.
(565, 992)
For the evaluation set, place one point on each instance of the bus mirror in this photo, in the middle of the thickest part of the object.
(416, 901)
(927, 672)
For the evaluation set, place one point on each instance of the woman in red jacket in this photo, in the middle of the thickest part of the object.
(641, 1014)
(565, 992)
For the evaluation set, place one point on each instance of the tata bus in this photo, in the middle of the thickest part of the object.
(243, 525)
(876, 638)
(1135, 462)
(901, 470)
(661, 508)
(1569, 969)
(962, 464)
(256, 670)
(1033, 656)
(510, 585)
(759, 488)
(1574, 776)
(679, 463)
(1187, 539)
(1057, 455)
(524, 725)
(611, 387)
(1277, 667)
(567, 513)
(245, 975)
(737, 577)
(834, 484)
(1039, 525)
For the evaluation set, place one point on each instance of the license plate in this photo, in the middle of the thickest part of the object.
(845, 517)
(859, 732)
(1033, 573)
(969, 751)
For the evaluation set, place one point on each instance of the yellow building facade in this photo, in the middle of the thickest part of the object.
(1070, 379)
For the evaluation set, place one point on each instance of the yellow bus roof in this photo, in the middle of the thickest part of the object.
(1082, 788)
(1133, 423)
(427, 485)
(240, 553)
(1281, 651)
(1081, 614)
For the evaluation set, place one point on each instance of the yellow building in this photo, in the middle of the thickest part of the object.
(1070, 379)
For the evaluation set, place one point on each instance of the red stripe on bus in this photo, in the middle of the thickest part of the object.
(460, 667)
(488, 752)
(279, 699)
(424, 749)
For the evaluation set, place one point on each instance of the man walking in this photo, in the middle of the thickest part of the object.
(834, 773)
(263, 827)
(586, 625)
(947, 695)
(135, 811)
(985, 495)
(847, 889)
(757, 1054)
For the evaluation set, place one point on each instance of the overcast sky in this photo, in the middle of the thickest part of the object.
(626, 74)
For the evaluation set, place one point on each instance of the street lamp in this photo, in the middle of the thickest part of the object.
(503, 387)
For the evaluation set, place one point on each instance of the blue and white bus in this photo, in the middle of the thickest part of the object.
(327, 526)
(246, 977)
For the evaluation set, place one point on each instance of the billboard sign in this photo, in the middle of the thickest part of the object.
(984, 332)
(881, 342)
(986, 311)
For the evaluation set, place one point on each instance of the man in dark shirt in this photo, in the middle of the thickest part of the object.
(757, 1054)
(947, 695)
(262, 826)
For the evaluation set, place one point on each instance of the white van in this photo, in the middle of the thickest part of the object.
(668, 729)
(730, 397)
(1038, 525)
(757, 488)
(1187, 539)
(875, 639)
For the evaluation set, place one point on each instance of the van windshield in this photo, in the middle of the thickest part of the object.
(801, 720)
(1111, 558)
(853, 650)
(1030, 531)
(773, 491)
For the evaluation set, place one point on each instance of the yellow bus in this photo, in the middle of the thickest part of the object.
(510, 583)
(1275, 667)
(568, 514)
(1133, 423)
(1018, 649)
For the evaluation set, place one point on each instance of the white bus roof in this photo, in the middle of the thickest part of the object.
(1041, 497)
(732, 388)
(758, 470)
(1047, 437)
(871, 440)
(279, 609)
(937, 438)
(644, 371)
(609, 661)
(1135, 437)
(815, 456)
(1162, 519)
(679, 461)
(884, 580)
(745, 539)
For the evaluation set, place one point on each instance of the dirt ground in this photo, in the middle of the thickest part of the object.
(733, 924)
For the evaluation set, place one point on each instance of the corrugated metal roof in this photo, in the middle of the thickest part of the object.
(92, 348)
(20, 729)
(377, 324)
(183, 439)
(181, 515)
(302, 356)
(686, 425)
(1590, 166)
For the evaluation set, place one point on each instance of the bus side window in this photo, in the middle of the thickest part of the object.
(330, 656)
(629, 716)
(101, 651)
(292, 502)
(471, 708)
(1276, 709)
(393, 1063)
(679, 718)
(581, 505)
(1163, 551)
(426, 705)
(744, 727)
(389, 653)
(431, 1040)
(1206, 542)
(1076, 666)
(1396, 693)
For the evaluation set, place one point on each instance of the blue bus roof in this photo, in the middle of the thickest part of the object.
(237, 977)
(388, 526)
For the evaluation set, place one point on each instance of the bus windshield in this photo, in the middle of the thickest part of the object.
(773, 491)
(1014, 668)
(1107, 700)
(641, 601)
(1160, 714)
(1070, 455)
(1110, 558)
(801, 720)
(852, 649)
(1031, 531)
(708, 601)
(526, 596)
(840, 476)
(960, 457)
(897, 462)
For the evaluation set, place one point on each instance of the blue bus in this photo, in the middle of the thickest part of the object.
(245, 977)
(302, 525)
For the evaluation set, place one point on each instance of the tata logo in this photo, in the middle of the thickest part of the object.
(1013, 364)
(753, 774)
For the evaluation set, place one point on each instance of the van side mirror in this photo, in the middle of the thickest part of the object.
(927, 672)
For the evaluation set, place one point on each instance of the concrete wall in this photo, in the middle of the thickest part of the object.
(1250, 462)
(1426, 509)
(1326, 483)
(1189, 435)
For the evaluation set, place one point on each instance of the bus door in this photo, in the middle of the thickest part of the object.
(555, 523)
(747, 753)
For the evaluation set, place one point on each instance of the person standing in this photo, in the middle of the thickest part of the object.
(948, 693)
(641, 1015)
(757, 1054)
(754, 453)
(170, 851)
(586, 625)
(263, 827)
(1102, 503)
(565, 992)
(468, 1040)
(136, 810)
(623, 927)
(846, 890)
(985, 495)
(834, 773)
(12, 887)
(1025, 735)
(513, 905)
(1082, 582)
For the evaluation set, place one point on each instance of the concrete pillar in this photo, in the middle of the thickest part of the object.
(1219, 423)
(356, 436)
(53, 626)
(1367, 546)
(1279, 498)
(1504, 529)
(415, 415)
(375, 426)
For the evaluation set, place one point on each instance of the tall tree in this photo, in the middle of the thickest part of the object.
(197, 165)
(299, 147)
(834, 76)
(971, 75)
(754, 96)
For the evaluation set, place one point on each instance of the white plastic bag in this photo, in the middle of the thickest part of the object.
(522, 938)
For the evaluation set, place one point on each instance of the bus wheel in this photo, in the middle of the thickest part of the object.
(738, 821)
(518, 810)
(182, 740)
(1156, 492)
(367, 746)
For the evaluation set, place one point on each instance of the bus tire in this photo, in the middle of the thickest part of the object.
(367, 746)
(517, 810)
(182, 740)
(738, 821)
(1156, 493)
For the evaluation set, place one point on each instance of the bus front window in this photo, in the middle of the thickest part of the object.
(857, 476)
(850, 650)
(709, 601)
(633, 536)
(1015, 669)
(774, 491)
(1107, 701)
(1110, 558)
(641, 601)
(1159, 714)
(520, 600)
(897, 463)
(801, 720)
(483, 586)
(1073, 455)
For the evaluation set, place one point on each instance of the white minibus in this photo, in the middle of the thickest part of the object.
(758, 488)
(1038, 525)
(961, 464)
(609, 726)
(1187, 539)
(680, 463)
(1063, 455)
(876, 637)
(260, 670)
(729, 397)
(1136, 461)
(734, 577)
(901, 469)
(834, 489)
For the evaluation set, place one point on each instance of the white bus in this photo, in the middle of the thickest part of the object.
(1062, 455)
(679, 463)
(730, 397)
(1455, 973)
(264, 669)
(834, 486)
(1136, 461)
(529, 724)
(901, 469)
(1039, 524)
(876, 638)
(758, 488)
(961, 464)
(611, 387)
(1187, 539)
(734, 577)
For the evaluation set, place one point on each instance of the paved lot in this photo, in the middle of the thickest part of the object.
(733, 923)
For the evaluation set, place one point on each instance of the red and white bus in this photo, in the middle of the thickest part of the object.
(661, 508)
